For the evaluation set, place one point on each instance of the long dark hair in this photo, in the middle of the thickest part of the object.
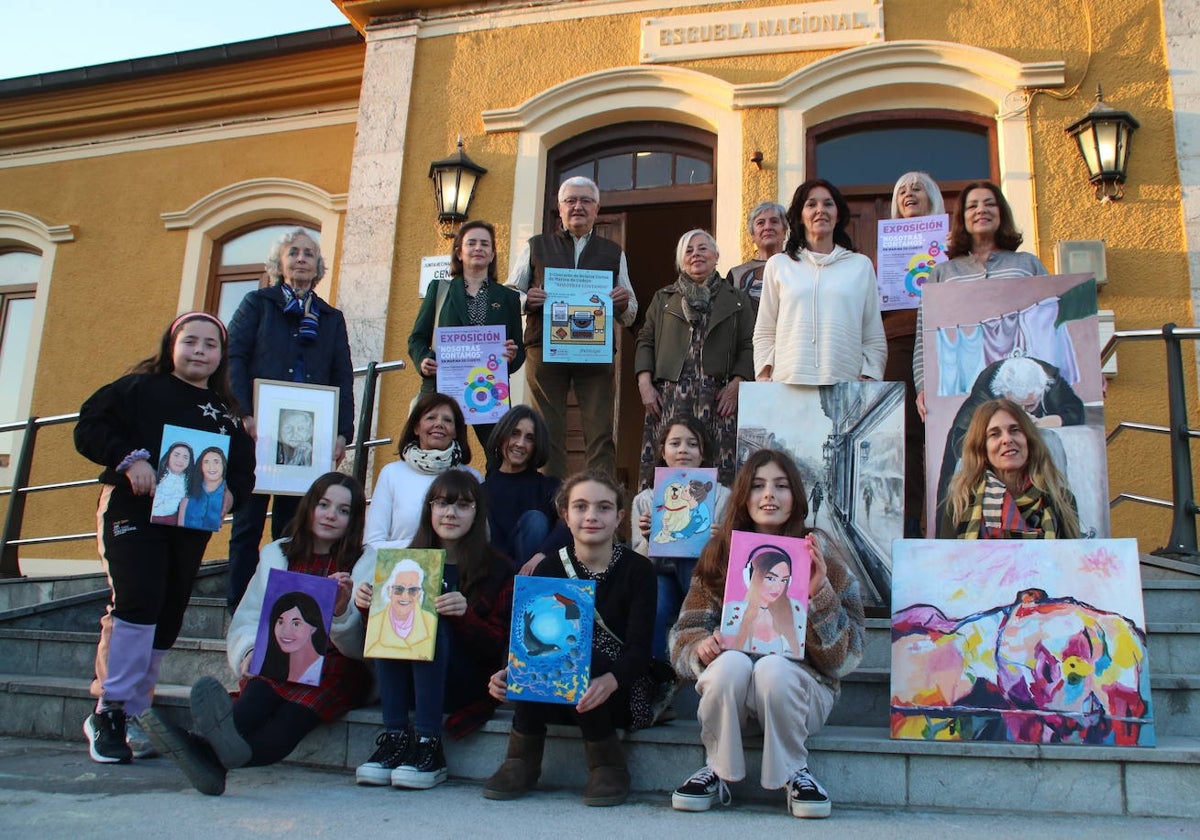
(196, 488)
(456, 264)
(472, 553)
(797, 238)
(714, 558)
(423, 406)
(1007, 237)
(694, 426)
(344, 551)
(276, 662)
(164, 360)
(503, 431)
(188, 474)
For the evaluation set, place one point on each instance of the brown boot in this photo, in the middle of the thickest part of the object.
(521, 768)
(608, 775)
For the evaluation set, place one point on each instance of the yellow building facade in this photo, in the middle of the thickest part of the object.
(688, 115)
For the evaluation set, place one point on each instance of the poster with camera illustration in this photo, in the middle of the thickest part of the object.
(766, 595)
(190, 487)
(297, 427)
(577, 316)
(402, 622)
(293, 628)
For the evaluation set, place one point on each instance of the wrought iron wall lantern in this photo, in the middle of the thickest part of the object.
(1103, 136)
(454, 181)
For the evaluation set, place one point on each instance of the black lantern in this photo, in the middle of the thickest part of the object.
(454, 179)
(1103, 136)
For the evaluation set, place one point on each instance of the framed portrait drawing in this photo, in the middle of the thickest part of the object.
(297, 427)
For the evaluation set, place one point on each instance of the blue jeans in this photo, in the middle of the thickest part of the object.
(672, 587)
(409, 685)
(526, 537)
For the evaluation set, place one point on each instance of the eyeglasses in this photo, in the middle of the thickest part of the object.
(413, 591)
(461, 506)
(582, 201)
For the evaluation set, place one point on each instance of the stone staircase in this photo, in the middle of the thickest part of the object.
(48, 631)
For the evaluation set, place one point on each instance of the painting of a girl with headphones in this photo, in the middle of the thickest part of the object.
(766, 595)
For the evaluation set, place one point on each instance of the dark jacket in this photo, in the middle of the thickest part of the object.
(728, 344)
(504, 309)
(264, 343)
(558, 251)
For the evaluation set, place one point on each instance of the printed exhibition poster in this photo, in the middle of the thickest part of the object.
(293, 628)
(908, 251)
(683, 511)
(402, 622)
(190, 492)
(550, 645)
(766, 595)
(577, 319)
(472, 369)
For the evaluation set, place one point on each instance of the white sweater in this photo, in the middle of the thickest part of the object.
(818, 321)
(395, 509)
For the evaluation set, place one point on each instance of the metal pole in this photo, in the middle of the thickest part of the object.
(1182, 544)
(364, 424)
(10, 564)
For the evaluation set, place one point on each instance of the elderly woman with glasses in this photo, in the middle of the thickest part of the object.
(696, 346)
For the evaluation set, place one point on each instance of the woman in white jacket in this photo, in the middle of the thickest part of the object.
(818, 321)
(271, 717)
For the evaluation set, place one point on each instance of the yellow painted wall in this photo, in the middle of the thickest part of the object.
(115, 288)
(458, 77)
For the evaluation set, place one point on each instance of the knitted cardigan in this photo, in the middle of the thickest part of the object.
(833, 642)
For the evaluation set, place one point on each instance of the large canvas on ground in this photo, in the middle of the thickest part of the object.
(848, 441)
(1035, 340)
(765, 609)
(293, 628)
(550, 644)
(1033, 641)
(402, 622)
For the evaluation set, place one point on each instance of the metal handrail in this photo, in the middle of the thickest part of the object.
(11, 539)
(1182, 542)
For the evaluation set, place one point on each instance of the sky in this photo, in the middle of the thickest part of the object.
(41, 37)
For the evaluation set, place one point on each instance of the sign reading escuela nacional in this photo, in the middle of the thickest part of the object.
(768, 29)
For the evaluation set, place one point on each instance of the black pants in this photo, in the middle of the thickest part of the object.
(596, 725)
(151, 567)
(272, 726)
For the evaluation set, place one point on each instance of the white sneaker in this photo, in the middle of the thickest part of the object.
(806, 798)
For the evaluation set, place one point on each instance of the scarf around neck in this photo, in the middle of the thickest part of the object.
(432, 461)
(996, 514)
(301, 305)
(696, 297)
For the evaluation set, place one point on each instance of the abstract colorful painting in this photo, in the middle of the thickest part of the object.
(766, 595)
(402, 622)
(683, 512)
(550, 646)
(848, 442)
(293, 628)
(1031, 641)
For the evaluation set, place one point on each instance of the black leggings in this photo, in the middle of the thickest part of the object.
(596, 725)
(272, 726)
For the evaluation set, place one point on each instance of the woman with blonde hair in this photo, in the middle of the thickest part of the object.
(1008, 486)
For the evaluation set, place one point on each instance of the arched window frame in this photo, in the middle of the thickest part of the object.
(22, 232)
(245, 205)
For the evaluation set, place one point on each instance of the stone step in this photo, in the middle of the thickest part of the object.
(865, 697)
(29, 591)
(860, 765)
(1171, 600)
(206, 616)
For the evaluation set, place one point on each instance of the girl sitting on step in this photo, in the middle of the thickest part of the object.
(789, 699)
(617, 695)
(271, 717)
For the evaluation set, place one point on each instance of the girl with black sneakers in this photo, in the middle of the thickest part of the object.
(789, 699)
(271, 717)
(472, 641)
(151, 567)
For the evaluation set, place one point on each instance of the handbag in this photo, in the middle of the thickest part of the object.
(651, 693)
